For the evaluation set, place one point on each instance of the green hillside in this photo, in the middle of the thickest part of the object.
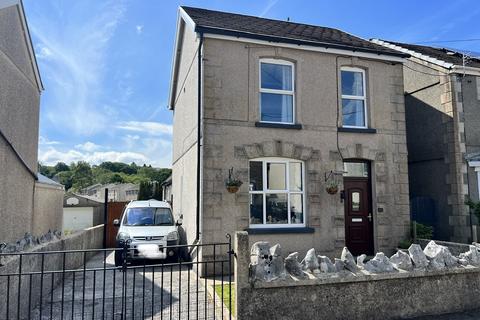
(81, 174)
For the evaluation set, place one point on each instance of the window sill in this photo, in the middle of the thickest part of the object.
(357, 130)
(280, 230)
(278, 125)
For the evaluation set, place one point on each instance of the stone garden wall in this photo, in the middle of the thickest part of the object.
(91, 238)
(408, 284)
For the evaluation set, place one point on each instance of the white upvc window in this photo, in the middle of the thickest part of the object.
(277, 91)
(277, 193)
(354, 100)
(475, 164)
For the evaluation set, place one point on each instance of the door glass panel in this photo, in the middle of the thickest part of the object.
(356, 201)
(295, 178)
(277, 208)
(355, 169)
(296, 208)
(256, 175)
(276, 176)
(256, 209)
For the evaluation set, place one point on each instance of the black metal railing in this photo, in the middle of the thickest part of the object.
(88, 284)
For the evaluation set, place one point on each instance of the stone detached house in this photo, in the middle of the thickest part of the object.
(293, 109)
(442, 90)
(29, 202)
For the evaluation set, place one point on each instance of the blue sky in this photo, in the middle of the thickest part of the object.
(106, 64)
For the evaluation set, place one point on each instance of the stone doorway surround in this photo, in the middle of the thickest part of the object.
(389, 178)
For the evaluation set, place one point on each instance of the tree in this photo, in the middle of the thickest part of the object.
(60, 167)
(154, 174)
(145, 191)
(82, 175)
(157, 191)
(47, 171)
(116, 178)
(65, 178)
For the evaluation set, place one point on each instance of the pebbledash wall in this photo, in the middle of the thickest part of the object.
(91, 238)
(231, 139)
(379, 296)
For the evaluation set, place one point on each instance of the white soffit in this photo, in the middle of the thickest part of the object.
(453, 68)
(414, 54)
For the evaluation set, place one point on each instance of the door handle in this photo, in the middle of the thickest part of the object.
(369, 216)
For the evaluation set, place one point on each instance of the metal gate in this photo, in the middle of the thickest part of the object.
(86, 284)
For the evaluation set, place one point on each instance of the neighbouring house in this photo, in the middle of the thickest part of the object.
(295, 110)
(442, 100)
(116, 191)
(29, 202)
(167, 190)
(81, 212)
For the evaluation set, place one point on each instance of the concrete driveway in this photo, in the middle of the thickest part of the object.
(149, 293)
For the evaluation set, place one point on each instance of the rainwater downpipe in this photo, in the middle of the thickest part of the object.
(199, 132)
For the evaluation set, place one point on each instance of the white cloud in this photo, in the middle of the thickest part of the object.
(149, 127)
(88, 146)
(51, 156)
(268, 7)
(76, 65)
(42, 52)
(149, 150)
(44, 141)
(139, 29)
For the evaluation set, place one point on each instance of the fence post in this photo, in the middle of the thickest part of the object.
(105, 218)
(242, 267)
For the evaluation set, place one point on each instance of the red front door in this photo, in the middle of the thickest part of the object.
(358, 216)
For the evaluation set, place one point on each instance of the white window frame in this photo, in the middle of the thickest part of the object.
(362, 98)
(476, 166)
(266, 191)
(284, 92)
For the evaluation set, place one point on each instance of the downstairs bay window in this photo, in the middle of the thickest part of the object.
(277, 196)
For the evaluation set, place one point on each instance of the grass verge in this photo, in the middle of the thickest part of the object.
(226, 296)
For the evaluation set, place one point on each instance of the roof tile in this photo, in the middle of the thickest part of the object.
(282, 31)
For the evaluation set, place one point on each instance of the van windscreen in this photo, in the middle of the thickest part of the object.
(148, 217)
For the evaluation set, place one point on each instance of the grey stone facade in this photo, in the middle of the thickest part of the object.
(230, 110)
(442, 130)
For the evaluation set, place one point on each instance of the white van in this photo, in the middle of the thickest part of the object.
(147, 228)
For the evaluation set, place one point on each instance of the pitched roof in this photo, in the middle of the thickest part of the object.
(46, 180)
(83, 200)
(448, 56)
(224, 23)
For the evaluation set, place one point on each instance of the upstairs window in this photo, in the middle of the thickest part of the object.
(354, 106)
(277, 93)
(277, 196)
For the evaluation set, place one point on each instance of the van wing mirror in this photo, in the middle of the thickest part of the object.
(179, 222)
(116, 223)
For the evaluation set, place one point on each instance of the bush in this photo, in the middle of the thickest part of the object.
(424, 231)
(404, 244)
(474, 207)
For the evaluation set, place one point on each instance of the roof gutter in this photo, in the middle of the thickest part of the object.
(465, 70)
(248, 35)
